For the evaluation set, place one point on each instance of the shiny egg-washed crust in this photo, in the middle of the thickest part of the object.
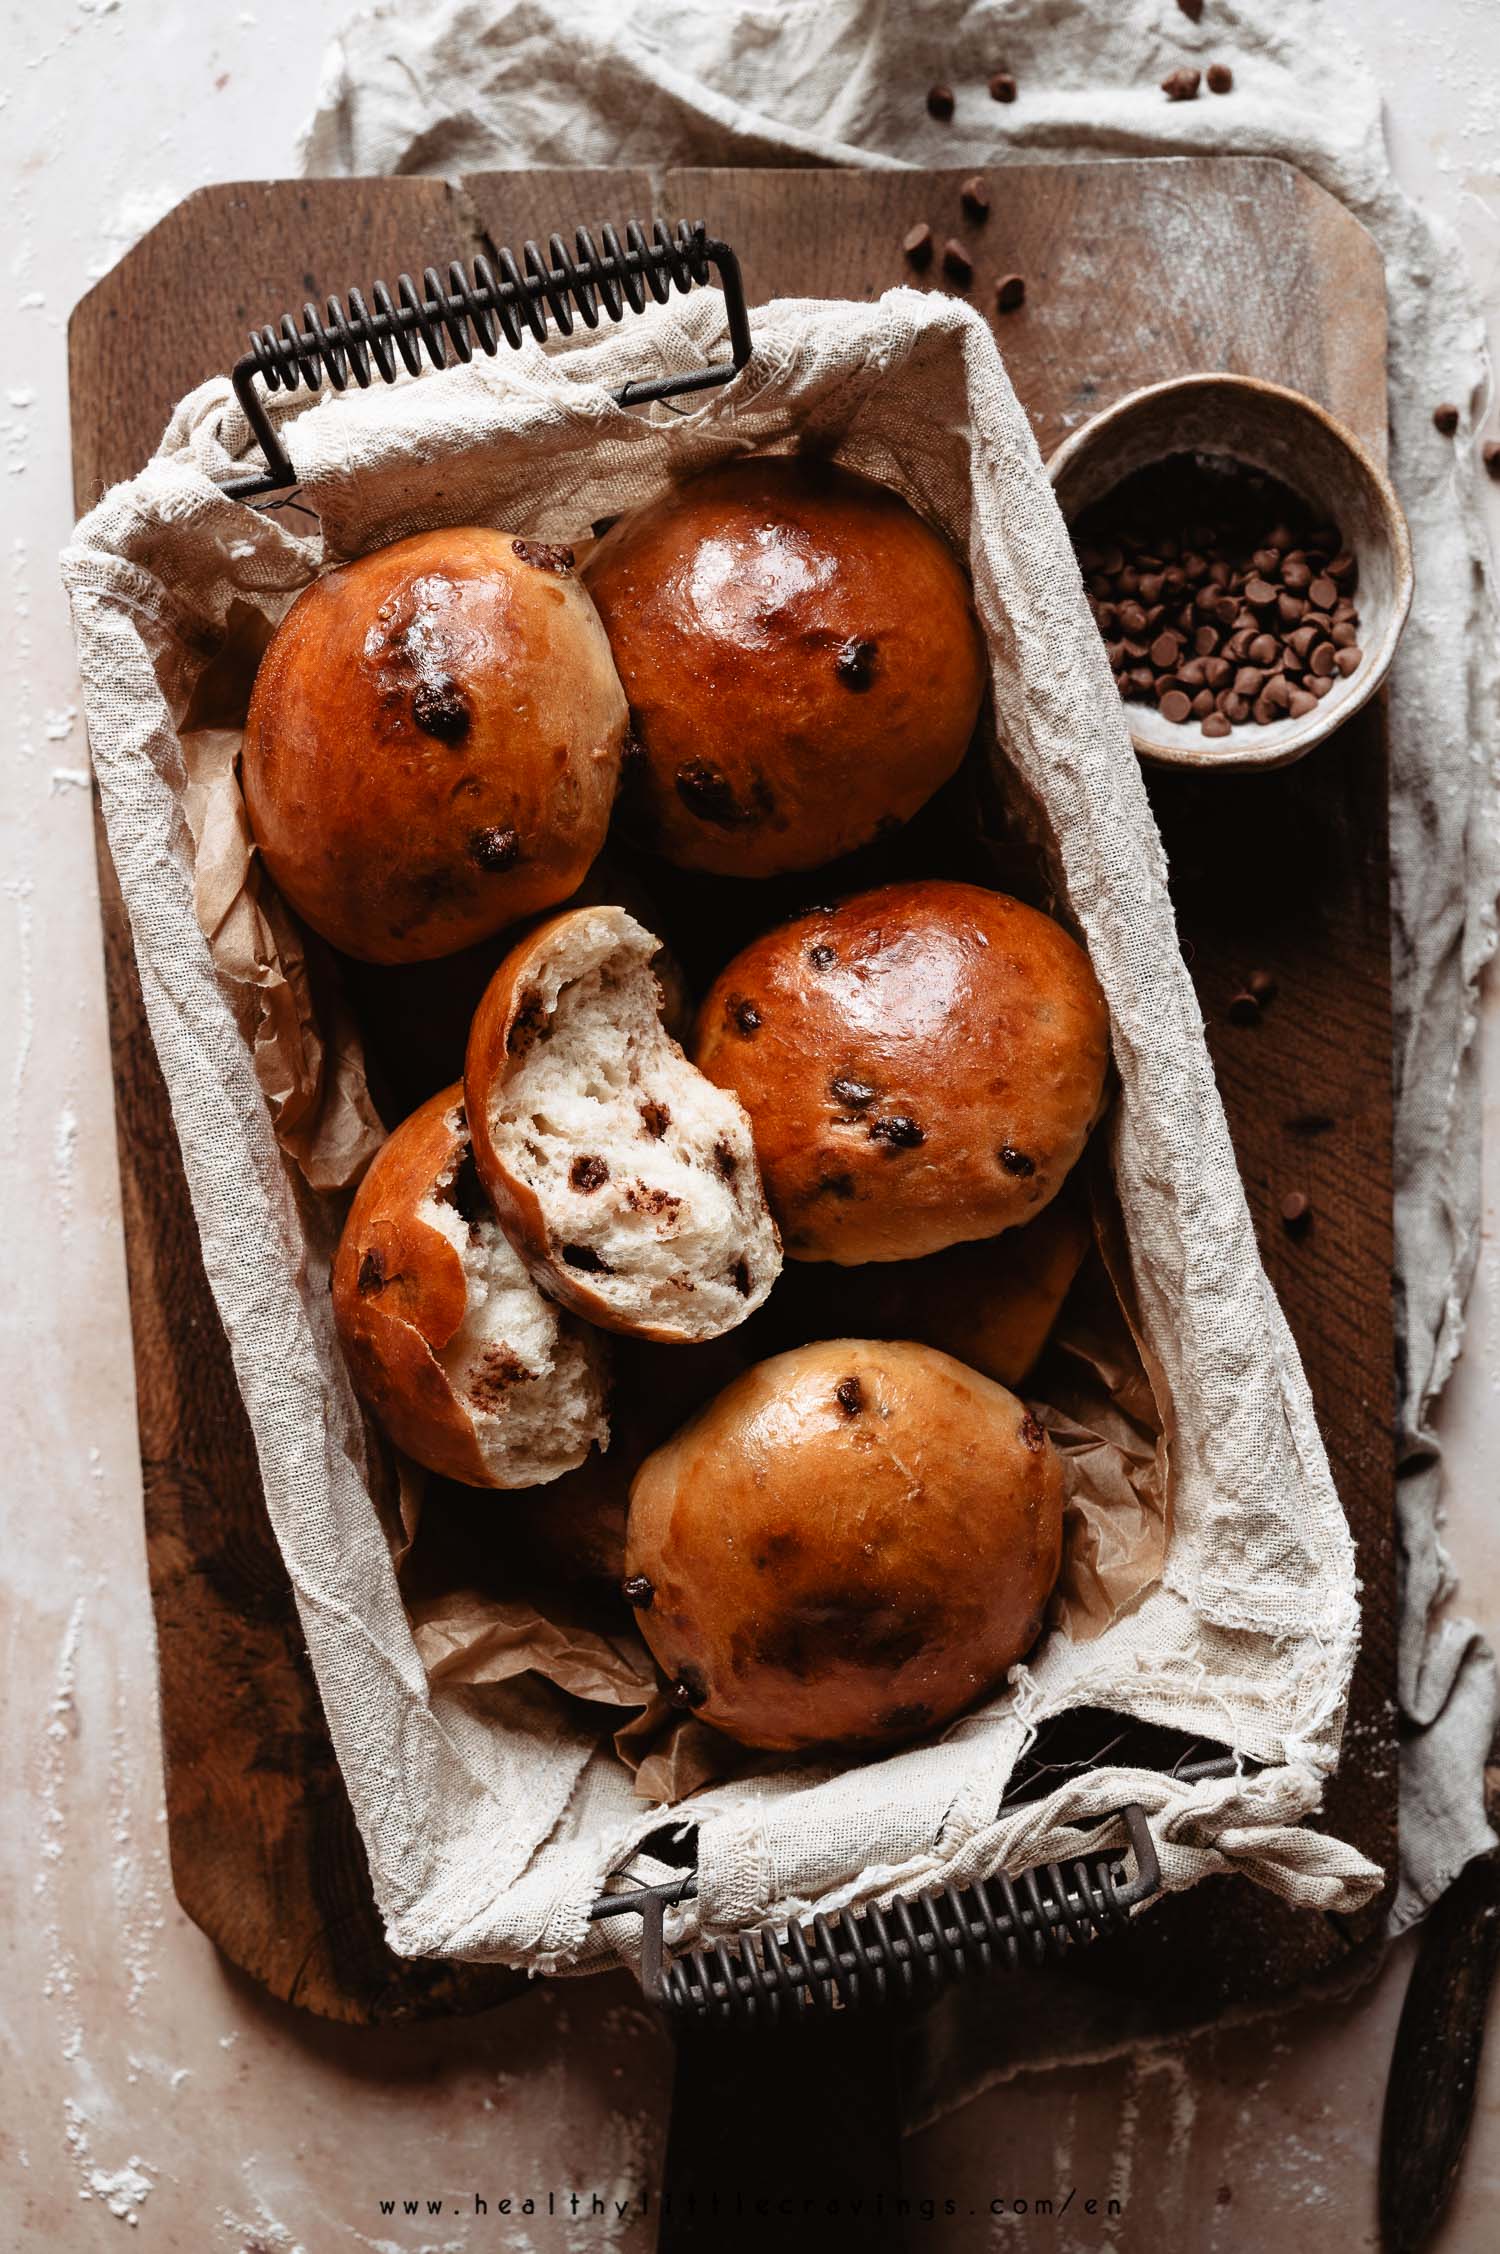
(921, 1064)
(847, 1547)
(433, 743)
(400, 1296)
(991, 1303)
(802, 659)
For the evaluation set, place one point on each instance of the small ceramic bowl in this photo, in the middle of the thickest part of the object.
(1292, 439)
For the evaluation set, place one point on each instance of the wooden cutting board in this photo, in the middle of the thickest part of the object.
(1135, 271)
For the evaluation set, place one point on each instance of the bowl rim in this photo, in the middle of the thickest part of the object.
(1292, 740)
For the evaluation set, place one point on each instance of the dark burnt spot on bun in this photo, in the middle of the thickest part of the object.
(708, 795)
(855, 664)
(465, 1192)
(638, 1590)
(837, 1627)
(1032, 1434)
(656, 1119)
(371, 1273)
(834, 1185)
(739, 1276)
(588, 1173)
(897, 1132)
(495, 849)
(584, 1257)
(821, 955)
(778, 1549)
(905, 1721)
(743, 1015)
(544, 555)
(497, 1371)
(439, 710)
(690, 1688)
(850, 1396)
(725, 1161)
(851, 1095)
(1016, 1162)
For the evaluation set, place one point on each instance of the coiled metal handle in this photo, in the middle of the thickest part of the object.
(478, 306)
(912, 1948)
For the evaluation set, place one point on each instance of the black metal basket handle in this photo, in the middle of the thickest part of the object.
(893, 1955)
(477, 306)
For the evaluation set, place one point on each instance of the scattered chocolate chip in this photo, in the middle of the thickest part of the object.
(1489, 455)
(1192, 9)
(1296, 1210)
(1175, 706)
(588, 1173)
(1445, 418)
(853, 1095)
(940, 103)
(1016, 1162)
(1031, 1433)
(739, 1276)
(743, 1015)
(690, 1689)
(899, 1131)
(957, 264)
(638, 1590)
(1215, 724)
(439, 710)
(1243, 1009)
(466, 1193)
(725, 1161)
(544, 555)
(822, 956)
(495, 849)
(585, 1257)
(371, 1275)
(1310, 1123)
(974, 195)
(917, 244)
(850, 1396)
(1002, 87)
(529, 1024)
(1010, 293)
(855, 664)
(1180, 85)
(1262, 984)
(656, 1119)
(1220, 78)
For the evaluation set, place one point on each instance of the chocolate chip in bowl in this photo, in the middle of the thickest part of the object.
(1247, 563)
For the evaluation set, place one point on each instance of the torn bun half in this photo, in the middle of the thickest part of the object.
(471, 1370)
(627, 1180)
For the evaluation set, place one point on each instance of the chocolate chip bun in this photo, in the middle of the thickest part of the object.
(802, 660)
(471, 1370)
(921, 1065)
(625, 1178)
(992, 1303)
(433, 743)
(848, 1546)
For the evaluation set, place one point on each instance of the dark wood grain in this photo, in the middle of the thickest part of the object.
(1135, 271)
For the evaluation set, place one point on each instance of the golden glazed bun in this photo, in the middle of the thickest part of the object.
(851, 1544)
(992, 1303)
(433, 743)
(471, 1370)
(921, 1065)
(802, 660)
